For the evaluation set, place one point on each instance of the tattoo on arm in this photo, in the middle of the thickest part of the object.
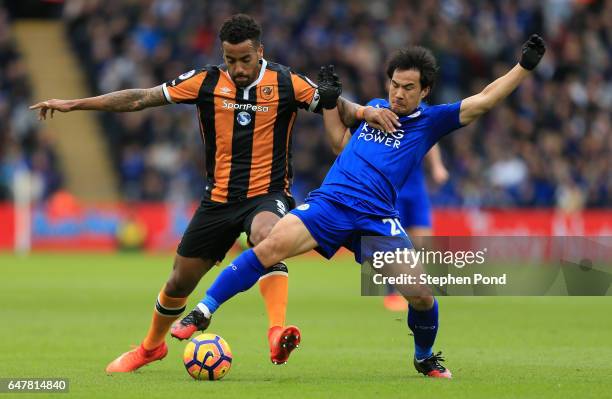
(347, 111)
(126, 100)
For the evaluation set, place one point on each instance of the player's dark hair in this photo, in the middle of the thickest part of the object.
(240, 27)
(418, 58)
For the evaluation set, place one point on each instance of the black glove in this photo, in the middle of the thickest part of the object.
(330, 87)
(532, 53)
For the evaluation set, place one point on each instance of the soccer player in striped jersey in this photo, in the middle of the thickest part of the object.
(246, 108)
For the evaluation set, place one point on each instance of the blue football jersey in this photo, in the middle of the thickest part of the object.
(414, 184)
(374, 165)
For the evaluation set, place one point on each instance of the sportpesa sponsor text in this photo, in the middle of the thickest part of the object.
(245, 107)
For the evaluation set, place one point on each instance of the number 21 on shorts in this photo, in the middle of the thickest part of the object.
(396, 226)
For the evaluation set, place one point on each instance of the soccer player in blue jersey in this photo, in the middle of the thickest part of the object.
(414, 209)
(357, 198)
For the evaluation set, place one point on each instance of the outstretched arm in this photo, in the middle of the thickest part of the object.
(117, 101)
(473, 107)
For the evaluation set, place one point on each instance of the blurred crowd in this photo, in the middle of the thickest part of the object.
(24, 144)
(550, 144)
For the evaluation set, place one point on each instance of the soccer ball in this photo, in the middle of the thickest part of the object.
(207, 357)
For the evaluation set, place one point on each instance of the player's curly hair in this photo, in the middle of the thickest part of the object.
(240, 27)
(415, 57)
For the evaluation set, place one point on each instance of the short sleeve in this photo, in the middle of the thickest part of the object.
(185, 88)
(444, 119)
(306, 93)
(377, 103)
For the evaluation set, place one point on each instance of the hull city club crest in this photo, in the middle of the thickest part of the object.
(267, 92)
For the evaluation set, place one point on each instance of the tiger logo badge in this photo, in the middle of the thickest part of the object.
(267, 92)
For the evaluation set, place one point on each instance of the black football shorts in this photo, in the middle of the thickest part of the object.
(215, 226)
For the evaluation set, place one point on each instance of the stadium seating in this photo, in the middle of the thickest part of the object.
(548, 146)
(24, 143)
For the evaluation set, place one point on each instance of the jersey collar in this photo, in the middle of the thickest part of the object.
(246, 90)
(262, 71)
(415, 114)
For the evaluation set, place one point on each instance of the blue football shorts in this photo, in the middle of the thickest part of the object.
(334, 224)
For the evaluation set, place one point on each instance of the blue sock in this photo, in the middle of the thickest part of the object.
(239, 276)
(424, 326)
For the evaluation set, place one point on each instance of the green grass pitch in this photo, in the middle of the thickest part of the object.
(69, 315)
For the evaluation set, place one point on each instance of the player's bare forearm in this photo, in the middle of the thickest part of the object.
(123, 100)
(475, 106)
(335, 129)
(118, 101)
(347, 111)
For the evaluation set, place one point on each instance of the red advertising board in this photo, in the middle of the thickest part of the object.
(522, 222)
(7, 226)
(84, 228)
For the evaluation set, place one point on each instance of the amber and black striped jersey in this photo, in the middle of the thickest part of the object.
(246, 131)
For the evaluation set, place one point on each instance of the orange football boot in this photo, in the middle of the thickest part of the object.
(136, 358)
(282, 342)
